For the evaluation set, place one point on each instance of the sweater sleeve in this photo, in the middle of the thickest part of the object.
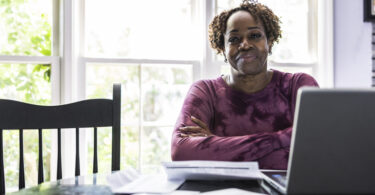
(278, 159)
(299, 80)
(252, 147)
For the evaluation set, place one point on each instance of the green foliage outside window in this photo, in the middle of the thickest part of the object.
(25, 31)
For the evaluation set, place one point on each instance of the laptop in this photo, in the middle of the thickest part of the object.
(333, 144)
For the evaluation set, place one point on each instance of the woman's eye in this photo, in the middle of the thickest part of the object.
(255, 36)
(233, 40)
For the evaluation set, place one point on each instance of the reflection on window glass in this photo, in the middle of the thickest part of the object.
(25, 27)
(152, 96)
(27, 83)
(295, 44)
(141, 29)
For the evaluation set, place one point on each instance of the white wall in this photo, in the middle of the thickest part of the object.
(352, 45)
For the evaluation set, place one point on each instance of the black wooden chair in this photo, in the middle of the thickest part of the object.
(94, 113)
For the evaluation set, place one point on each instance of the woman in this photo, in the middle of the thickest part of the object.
(248, 114)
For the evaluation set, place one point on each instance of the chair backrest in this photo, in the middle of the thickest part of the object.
(94, 113)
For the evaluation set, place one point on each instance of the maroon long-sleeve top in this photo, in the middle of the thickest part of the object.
(246, 127)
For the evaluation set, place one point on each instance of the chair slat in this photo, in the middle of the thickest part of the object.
(2, 178)
(59, 168)
(116, 128)
(40, 158)
(95, 168)
(77, 170)
(21, 180)
(52, 117)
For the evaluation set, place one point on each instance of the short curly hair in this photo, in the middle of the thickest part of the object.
(270, 21)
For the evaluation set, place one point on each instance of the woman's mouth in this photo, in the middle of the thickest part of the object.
(246, 57)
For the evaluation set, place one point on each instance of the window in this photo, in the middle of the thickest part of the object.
(153, 56)
(26, 71)
(141, 46)
(141, 29)
(152, 99)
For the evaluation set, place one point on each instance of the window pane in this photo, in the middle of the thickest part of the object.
(141, 29)
(225, 70)
(160, 87)
(25, 27)
(296, 44)
(156, 148)
(11, 159)
(99, 84)
(163, 89)
(104, 142)
(27, 83)
(30, 147)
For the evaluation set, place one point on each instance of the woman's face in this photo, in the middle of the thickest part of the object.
(245, 44)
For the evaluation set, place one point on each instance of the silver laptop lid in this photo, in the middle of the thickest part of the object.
(333, 142)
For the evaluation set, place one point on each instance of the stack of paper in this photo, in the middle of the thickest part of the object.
(212, 170)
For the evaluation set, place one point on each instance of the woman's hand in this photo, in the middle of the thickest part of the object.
(201, 130)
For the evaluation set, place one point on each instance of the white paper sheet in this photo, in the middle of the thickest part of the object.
(150, 184)
(121, 178)
(212, 170)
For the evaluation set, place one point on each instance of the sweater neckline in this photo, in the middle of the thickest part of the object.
(261, 92)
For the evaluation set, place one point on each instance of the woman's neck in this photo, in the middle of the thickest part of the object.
(249, 83)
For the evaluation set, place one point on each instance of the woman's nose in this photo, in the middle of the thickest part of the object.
(245, 45)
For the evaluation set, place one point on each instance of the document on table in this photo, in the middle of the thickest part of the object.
(157, 184)
(212, 170)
